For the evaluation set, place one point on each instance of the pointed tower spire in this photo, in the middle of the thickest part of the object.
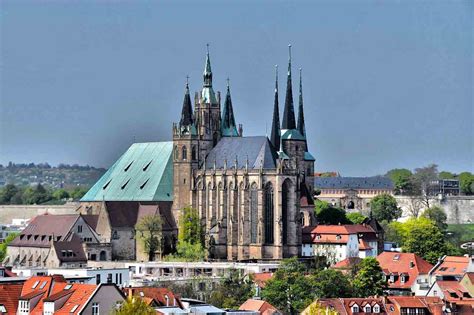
(289, 121)
(275, 132)
(187, 111)
(228, 127)
(301, 126)
(207, 70)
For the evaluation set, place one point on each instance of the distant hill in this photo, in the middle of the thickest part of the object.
(60, 176)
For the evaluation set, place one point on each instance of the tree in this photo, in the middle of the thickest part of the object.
(289, 289)
(446, 175)
(149, 230)
(327, 214)
(36, 196)
(60, 194)
(232, 291)
(466, 183)
(78, 193)
(317, 308)
(384, 208)
(330, 283)
(422, 237)
(4, 245)
(438, 216)
(421, 179)
(7, 193)
(134, 305)
(402, 180)
(356, 217)
(369, 279)
(190, 226)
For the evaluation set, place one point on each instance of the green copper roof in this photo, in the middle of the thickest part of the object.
(208, 95)
(293, 134)
(309, 157)
(143, 173)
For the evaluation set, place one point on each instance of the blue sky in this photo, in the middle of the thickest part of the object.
(386, 83)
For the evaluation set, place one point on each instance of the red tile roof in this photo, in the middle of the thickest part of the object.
(454, 291)
(337, 234)
(259, 306)
(347, 263)
(452, 265)
(9, 296)
(41, 284)
(80, 296)
(261, 278)
(157, 294)
(398, 263)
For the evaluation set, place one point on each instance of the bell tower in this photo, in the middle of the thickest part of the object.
(207, 112)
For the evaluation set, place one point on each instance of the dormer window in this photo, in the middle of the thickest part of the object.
(355, 308)
(392, 278)
(367, 309)
(376, 309)
(318, 237)
(338, 237)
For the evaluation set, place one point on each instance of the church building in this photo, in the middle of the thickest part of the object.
(253, 193)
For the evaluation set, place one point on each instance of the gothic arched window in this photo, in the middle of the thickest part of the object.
(285, 195)
(269, 214)
(194, 153)
(176, 156)
(253, 213)
(184, 153)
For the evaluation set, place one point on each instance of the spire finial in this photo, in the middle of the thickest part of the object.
(289, 121)
(207, 48)
(187, 81)
(289, 51)
(228, 83)
(276, 77)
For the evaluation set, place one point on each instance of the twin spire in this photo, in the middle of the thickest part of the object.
(289, 121)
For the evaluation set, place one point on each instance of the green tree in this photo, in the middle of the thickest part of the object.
(328, 214)
(356, 217)
(330, 283)
(78, 192)
(289, 289)
(446, 175)
(36, 195)
(149, 231)
(4, 244)
(437, 215)
(422, 237)
(402, 180)
(134, 305)
(7, 193)
(317, 309)
(466, 183)
(369, 279)
(60, 194)
(232, 291)
(384, 208)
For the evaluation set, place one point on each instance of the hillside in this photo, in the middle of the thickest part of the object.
(60, 176)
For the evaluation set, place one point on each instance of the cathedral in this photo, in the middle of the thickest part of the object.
(253, 193)
(250, 192)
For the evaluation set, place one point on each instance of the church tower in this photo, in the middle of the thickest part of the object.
(207, 113)
(185, 156)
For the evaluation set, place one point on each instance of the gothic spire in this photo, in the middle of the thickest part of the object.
(275, 132)
(301, 126)
(289, 112)
(228, 126)
(207, 70)
(187, 111)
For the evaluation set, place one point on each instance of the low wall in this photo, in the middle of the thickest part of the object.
(459, 209)
(9, 212)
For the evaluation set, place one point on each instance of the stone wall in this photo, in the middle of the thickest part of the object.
(9, 212)
(459, 209)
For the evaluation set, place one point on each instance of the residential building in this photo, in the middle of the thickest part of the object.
(48, 295)
(467, 281)
(253, 194)
(405, 273)
(158, 297)
(261, 307)
(9, 297)
(450, 268)
(456, 297)
(57, 241)
(352, 193)
(338, 242)
(391, 305)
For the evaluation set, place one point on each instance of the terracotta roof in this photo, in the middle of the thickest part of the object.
(9, 296)
(363, 245)
(470, 275)
(58, 295)
(347, 263)
(433, 304)
(81, 295)
(398, 263)
(452, 265)
(157, 294)
(453, 291)
(261, 278)
(41, 285)
(337, 234)
(259, 306)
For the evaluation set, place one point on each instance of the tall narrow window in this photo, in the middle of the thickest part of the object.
(194, 153)
(285, 195)
(253, 213)
(269, 215)
(184, 153)
(176, 156)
